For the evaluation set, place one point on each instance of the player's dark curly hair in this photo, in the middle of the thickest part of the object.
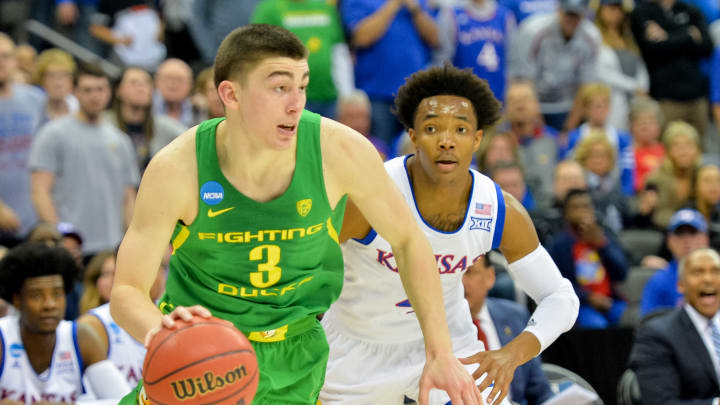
(447, 81)
(34, 260)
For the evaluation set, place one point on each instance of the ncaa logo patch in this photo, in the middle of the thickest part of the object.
(16, 350)
(304, 207)
(212, 193)
(481, 223)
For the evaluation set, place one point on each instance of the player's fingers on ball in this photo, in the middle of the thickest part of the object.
(168, 322)
(148, 337)
(200, 310)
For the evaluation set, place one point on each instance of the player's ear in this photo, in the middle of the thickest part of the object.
(411, 134)
(228, 94)
(477, 139)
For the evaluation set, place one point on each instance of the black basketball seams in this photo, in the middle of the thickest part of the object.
(215, 356)
(249, 381)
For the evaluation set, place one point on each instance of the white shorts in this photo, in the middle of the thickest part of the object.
(366, 373)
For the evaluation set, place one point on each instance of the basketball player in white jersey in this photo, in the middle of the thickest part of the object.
(376, 351)
(43, 358)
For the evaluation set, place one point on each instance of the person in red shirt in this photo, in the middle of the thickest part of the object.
(645, 123)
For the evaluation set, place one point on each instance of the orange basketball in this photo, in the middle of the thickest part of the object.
(204, 361)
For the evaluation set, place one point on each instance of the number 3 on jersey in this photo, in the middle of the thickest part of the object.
(268, 272)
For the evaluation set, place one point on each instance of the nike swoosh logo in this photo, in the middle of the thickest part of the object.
(213, 214)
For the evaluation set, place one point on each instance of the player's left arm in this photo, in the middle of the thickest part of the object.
(532, 268)
(102, 375)
(352, 166)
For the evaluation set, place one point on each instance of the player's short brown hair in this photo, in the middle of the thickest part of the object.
(447, 81)
(245, 47)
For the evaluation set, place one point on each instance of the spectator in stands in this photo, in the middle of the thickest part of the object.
(75, 17)
(595, 104)
(706, 200)
(378, 30)
(620, 65)
(674, 178)
(176, 16)
(71, 241)
(355, 111)
(496, 147)
(93, 185)
(715, 85)
(132, 114)
(558, 52)
(211, 21)
(205, 96)
(20, 115)
(498, 321)
(54, 73)
(317, 24)
(673, 38)
(26, 57)
(598, 158)
(45, 233)
(510, 177)
(548, 219)
(123, 350)
(675, 356)
(592, 260)
(536, 141)
(173, 83)
(687, 232)
(133, 29)
(44, 357)
(486, 53)
(645, 123)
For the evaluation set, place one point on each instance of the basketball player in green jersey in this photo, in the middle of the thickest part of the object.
(253, 205)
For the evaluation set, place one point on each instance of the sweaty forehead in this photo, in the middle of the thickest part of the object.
(444, 104)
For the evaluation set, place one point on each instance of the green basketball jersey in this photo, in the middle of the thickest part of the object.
(259, 265)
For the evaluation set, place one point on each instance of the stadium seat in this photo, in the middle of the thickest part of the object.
(638, 243)
(559, 376)
(628, 389)
(632, 289)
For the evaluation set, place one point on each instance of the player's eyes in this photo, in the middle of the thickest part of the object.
(280, 89)
(430, 129)
(462, 130)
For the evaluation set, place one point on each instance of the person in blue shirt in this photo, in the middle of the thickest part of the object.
(392, 40)
(477, 36)
(715, 85)
(687, 232)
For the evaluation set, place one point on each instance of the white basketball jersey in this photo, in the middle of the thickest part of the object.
(61, 382)
(373, 305)
(123, 350)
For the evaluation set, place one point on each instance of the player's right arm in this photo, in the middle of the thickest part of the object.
(165, 196)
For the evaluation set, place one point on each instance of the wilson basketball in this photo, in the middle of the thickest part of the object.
(204, 361)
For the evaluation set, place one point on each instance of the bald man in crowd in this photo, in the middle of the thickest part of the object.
(173, 83)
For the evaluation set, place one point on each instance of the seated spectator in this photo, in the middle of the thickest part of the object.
(687, 232)
(133, 29)
(673, 39)
(509, 176)
(589, 257)
(132, 114)
(499, 321)
(485, 54)
(673, 179)
(598, 157)
(45, 233)
(123, 350)
(706, 199)
(354, 110)
(54, 72)
(558, 52)
(35, 278)
(205, 95)
(72, 241)
(645, 124)
(26, 57)
(595, 102)
(173, 83)
(495, 148)
(548, 219)
(620, 65)
(675, 356)
(536, 141)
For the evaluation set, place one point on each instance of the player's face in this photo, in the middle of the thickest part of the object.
(272, 99)
(445, 134)
(41, 303)
(700, 282)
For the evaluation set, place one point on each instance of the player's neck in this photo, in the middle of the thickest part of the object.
(39, 347)
(251, 165)
(449, 189)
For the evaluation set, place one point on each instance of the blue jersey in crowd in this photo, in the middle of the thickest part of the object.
(526, 8)
(482, 42)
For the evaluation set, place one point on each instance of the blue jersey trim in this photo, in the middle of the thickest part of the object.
(467, 209)
(368, 238)
(77, 346)
(2, 347)
(500, 223)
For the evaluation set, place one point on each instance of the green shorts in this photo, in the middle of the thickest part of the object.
(292, 371)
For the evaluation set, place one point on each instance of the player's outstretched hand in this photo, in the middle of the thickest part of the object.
(500, 367)
(168, 321)
(446, 373)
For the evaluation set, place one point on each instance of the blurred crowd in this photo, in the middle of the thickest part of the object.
(609, 136)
